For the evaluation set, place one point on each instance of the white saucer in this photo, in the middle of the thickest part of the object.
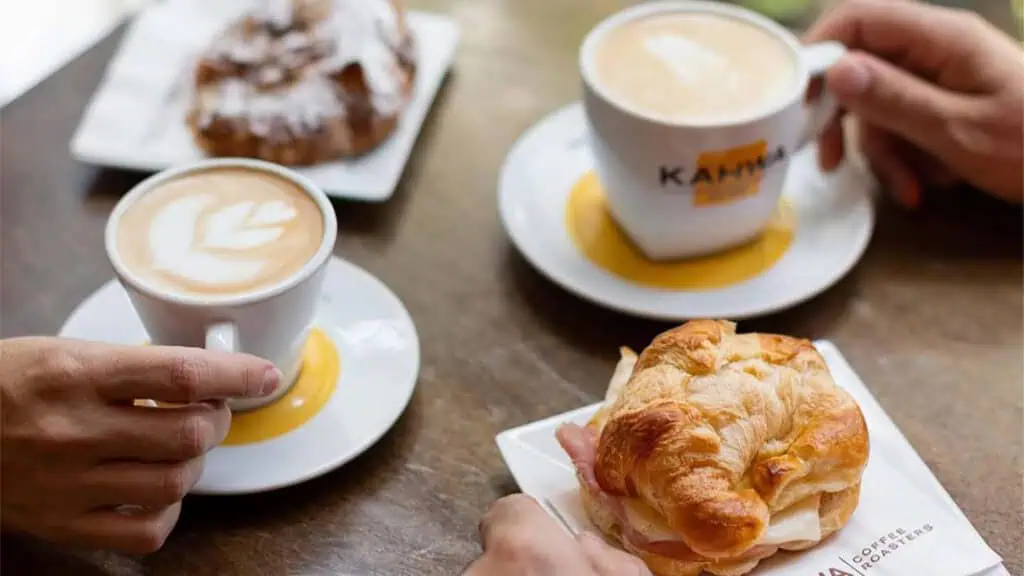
(136, 117)
(835, 219)
(380, 360)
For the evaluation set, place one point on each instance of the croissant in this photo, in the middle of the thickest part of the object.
(714, 450)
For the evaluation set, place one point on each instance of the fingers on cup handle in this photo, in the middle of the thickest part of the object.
(831, 145)
(822, 105)
(886, 95)
(831, 140)
(184, 375)
(132, 531)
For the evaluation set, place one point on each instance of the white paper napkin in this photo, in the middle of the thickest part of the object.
(906, 523)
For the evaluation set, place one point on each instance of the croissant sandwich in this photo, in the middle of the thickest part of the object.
(714, 450)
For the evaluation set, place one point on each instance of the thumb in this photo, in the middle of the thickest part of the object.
(885, 95)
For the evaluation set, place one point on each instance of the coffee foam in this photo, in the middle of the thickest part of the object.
(688, 61)
(682, 66)
(220, 231)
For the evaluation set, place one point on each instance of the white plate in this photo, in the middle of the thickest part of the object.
(136, 118)
(543, 470)
(380, 360)
(835, 219)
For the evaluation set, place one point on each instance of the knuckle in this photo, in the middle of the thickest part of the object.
(513, 545)
(56, 370)
(186, 376)
(500, 509)
(519, 544)
(193, 435)
(57, 432)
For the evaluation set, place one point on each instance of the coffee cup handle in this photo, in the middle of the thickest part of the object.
(817, 59)
(222, 337)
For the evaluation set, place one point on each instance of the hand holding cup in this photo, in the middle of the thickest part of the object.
(82, 464)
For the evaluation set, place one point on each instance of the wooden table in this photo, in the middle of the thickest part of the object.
(931, 319)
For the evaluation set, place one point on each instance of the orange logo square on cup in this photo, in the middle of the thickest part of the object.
(724, 176)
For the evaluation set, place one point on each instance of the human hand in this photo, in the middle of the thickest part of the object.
(938, 94)
(80, 464)
(520, 539)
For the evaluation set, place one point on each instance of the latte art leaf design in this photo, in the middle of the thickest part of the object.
(245, 225)
(201, 242)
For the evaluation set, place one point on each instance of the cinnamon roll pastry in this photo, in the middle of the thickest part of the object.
(299, 82)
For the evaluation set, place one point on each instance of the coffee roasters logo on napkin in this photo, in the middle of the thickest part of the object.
(872, 555)
(723, 176)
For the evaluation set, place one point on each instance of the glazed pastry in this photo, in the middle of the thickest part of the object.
(714, 450)
(304, 81)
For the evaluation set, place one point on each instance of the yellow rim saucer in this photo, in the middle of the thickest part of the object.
(374, 370)
(822, 231)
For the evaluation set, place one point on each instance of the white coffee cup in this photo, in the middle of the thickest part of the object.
(646, 165)
(272, 323)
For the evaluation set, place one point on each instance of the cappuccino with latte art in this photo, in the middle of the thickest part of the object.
(227, 254)
(220, 232)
